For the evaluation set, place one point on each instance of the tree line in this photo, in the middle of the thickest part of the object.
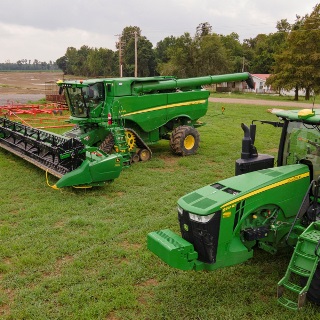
(297, 64)
(203, 53)
(27, 65)
(291, 55)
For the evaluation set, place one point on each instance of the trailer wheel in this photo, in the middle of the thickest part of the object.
(108, 143)
(184, 140)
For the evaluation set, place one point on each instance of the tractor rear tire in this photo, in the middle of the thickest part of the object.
(184, 140)
(107, 144)
(313, 294)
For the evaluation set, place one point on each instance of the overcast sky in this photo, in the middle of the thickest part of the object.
(43, 30)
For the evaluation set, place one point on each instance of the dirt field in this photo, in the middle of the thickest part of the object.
(21, 87)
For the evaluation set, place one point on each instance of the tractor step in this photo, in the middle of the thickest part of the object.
(300, 271)
(303, 263)
(305, 255)
(288, 303)
(292, 286)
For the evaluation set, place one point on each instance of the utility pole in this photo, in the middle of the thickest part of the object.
(120, 54)
(135, 54)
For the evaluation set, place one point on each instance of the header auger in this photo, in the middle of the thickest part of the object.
(116, 120)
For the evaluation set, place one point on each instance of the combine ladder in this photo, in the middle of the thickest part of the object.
(119, 134)
(303, 263)
(121, 144)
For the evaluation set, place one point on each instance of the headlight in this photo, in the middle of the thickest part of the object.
(201, 219)
(180, 210)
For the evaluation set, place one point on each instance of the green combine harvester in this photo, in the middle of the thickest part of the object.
(261, 206)
(116, 120)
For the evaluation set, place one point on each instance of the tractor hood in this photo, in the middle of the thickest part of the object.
(218, 196)
(207, 217)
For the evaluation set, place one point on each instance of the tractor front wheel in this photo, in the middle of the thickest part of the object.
(184, 140)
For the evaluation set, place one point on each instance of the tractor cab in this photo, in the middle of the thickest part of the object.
(299, 143)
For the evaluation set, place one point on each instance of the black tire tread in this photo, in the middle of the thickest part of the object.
(314, 290)
(107, 144)
(177, 140)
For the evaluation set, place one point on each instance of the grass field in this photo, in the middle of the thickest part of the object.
(81, 254)
(273, 97)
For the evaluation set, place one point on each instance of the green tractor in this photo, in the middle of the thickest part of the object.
(261, 206)
(116, 120)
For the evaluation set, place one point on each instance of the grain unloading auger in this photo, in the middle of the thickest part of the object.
(115, 122)
(261, 206)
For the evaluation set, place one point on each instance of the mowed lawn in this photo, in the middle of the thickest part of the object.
(81, 254)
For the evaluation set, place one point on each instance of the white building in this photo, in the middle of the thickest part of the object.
(260, 83)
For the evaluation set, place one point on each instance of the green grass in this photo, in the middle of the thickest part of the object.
(81, 254)
(252, 95)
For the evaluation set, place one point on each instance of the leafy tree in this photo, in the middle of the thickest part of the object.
(189, 57)
(235, 52)
(62, 64)
(127, 43)
(260, 51)
(283, 26)
(181, 58)
(161, 49)
(263, 54)
(81, 64)
(145, 54)
(146, 58)
(71, 58)
(212, 57)
(100, 62)
(297, 66)
(203, 29)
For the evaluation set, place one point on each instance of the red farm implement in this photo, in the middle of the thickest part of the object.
(51, 115)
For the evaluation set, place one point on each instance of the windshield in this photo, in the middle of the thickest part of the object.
(82, 100)
(303, 145)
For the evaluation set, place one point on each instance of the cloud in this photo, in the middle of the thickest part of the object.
(43, 30)
(45, 45)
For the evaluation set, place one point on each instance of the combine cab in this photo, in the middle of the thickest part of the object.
(116, 120)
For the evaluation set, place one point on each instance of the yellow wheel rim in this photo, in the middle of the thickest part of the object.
(131, 140)
(189, 142)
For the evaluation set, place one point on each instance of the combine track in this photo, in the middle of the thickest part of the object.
(51, 152)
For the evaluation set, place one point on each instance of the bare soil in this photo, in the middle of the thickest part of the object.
(22, 87)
